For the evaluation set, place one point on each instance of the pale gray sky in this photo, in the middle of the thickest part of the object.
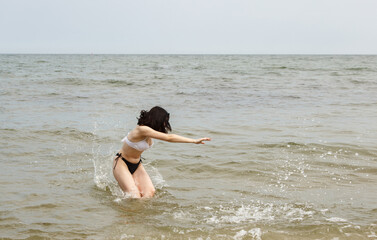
(189, 26)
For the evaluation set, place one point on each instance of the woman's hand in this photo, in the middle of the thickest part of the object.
(200, 140)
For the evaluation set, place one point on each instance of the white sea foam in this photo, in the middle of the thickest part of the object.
(298, 214)
(181, 215)
(240, 234)
(125, 236)
(248, 213)
(257, 212)
(255, 233)
(372, 235)
(336, 219)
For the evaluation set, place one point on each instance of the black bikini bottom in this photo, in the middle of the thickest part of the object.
(131, 166)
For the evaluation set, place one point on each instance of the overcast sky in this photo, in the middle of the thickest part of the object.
(189, 26)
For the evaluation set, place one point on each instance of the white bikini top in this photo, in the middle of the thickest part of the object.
(140, 146)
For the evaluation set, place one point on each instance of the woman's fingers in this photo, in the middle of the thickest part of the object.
(200, 141)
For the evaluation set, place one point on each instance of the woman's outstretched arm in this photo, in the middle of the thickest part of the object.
(149, 132)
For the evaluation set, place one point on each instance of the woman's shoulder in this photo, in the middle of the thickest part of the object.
(140, 130)
(137, 134)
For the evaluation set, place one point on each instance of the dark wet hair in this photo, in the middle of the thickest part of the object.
(157, 118)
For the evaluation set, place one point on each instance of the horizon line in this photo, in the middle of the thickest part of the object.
(230, 54)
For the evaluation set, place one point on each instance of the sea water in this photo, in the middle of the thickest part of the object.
(293, 152)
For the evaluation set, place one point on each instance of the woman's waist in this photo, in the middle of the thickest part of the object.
(132, 158)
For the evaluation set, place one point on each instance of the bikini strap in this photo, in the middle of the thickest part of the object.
(116, 159)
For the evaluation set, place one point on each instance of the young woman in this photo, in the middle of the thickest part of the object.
(129, 171)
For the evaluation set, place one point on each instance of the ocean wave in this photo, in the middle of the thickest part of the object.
(117, 82)
(42, 205)
(333, 148)
(67, 132)
(41, 61)
(358, 69)
(77, 81)
(336, 219)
